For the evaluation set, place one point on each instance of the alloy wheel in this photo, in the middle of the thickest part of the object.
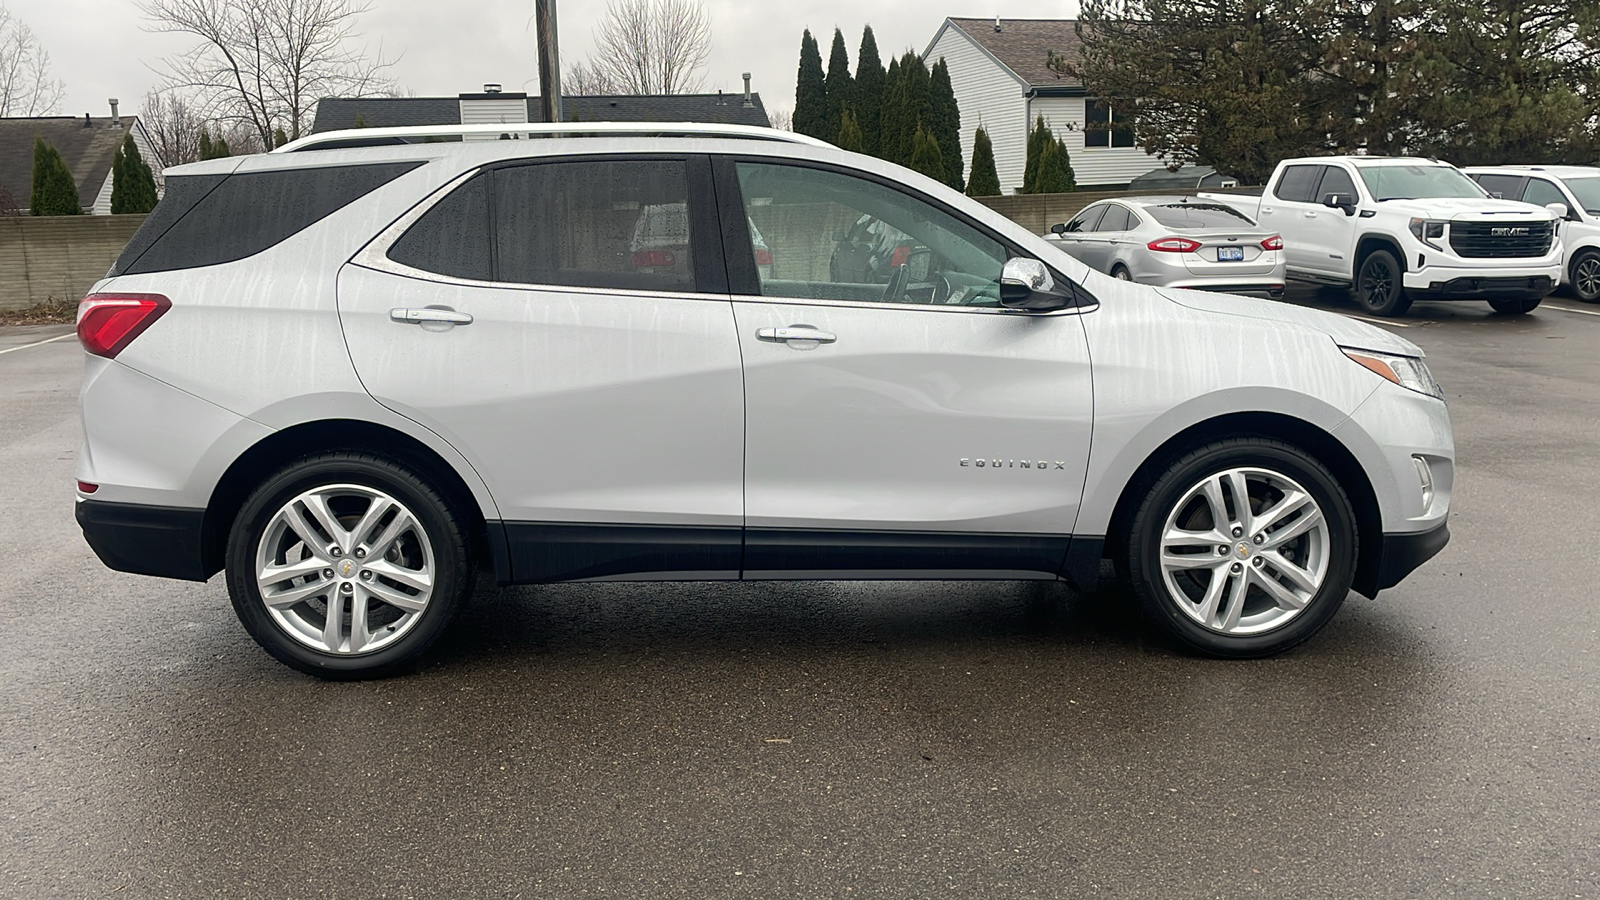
(345, 569)
(1244, 551)
(1586, 278)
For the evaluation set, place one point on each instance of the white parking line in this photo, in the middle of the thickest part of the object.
(59, 337)
(1382, 321)
(1581, 312)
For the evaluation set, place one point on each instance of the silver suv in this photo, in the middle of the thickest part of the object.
(357, 379)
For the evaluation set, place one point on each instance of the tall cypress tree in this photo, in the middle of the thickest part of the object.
(925, 154)
(849, 132)
(869, 91)
(985, 180)
(133, 185)
(54, 191)
(811, 92)
(1039, 136)
(945, 122)
(839, 84)
(891, 112)
(918, 86)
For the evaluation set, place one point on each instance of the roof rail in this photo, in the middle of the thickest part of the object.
(519, 130)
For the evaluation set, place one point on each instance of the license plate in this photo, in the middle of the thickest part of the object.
(1230, 254)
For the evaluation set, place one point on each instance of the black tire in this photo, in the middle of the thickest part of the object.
(1515, 307)
(1584, 276)
(1121, 273)
(1378, 286)
(452, 574)
(1142, 555)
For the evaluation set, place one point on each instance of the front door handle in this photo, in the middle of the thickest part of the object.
(429, 315)
(795, 333)
(1310, 214)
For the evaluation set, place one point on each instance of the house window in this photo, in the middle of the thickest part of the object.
(1104, 127)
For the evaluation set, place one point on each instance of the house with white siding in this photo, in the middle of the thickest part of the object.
(88, 147)
(1002, 83)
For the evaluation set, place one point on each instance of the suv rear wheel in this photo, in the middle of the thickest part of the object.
(345, 565)
(1243, 548)
(1378, 286)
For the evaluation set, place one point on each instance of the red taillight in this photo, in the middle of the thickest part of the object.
(1273, 243)
(88, 488)
(1174, 245)
(652, 258)
(899, 256)
(107, 323)
(763, 256)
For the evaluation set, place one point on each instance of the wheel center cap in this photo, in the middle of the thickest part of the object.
(1243, 550)
(347, 567)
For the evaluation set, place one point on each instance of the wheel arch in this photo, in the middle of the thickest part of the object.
(282, 447)
(1376, 241)
(1319, 443)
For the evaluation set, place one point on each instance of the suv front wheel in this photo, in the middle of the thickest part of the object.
(345, 565)
(1243, 548)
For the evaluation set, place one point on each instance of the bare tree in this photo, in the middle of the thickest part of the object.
(781, 119)
(266, 63)
(174, 125)
(26, 88)
(585, 80)
(653, 46)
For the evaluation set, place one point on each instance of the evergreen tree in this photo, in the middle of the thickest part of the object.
(869, 87)
(925, 154)
(811, 92)
(54, 191)
(133, 185)
(205, 144)
(1055, 170)
(849, 132)
(210, 149)
(890, 112)
(840, 86)
(985, 180)
(1039, 137)
(945, 122)
(906, 108)
(279, 138)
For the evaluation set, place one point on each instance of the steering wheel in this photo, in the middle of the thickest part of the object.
(895, 291)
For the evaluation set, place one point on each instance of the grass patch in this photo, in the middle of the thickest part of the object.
(50, 312)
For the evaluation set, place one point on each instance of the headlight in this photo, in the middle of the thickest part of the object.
(1406, 371)
(1427, 231)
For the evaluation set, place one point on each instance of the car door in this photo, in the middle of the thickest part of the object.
(1543, 192)
(1330, 237)
(1108, 236)
(565, 326)
(1077, 229)
(1290, 212)
(893, 431)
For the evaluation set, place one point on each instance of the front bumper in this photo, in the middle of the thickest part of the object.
(1509, 282)
(1403, 553)
(163, 541)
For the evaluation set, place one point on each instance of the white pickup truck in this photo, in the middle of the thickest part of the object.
(1400, 229)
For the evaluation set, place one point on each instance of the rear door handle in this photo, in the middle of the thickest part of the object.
(795, 333)
(1310, 214)
(419, 316)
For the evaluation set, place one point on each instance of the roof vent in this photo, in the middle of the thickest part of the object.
(491, 88)
(996, 24)
(116, 120)
(747, 101)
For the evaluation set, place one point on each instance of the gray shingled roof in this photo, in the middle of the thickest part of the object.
(86, 150)
(334, 113)
(1023, 45)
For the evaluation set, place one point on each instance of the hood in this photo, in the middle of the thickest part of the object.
(1345, 331)
(1466, 208)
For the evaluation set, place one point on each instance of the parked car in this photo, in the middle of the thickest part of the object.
(355, 379)
(661, 234)
(1176, 242)
(1577, 191)
(1400, 229)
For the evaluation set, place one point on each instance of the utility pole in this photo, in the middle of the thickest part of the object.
(544, 12)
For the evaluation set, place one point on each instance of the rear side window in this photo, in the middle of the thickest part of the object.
(620, 224)
(1296, 183)
(1116, 219)
(247, 213)
(452, 238)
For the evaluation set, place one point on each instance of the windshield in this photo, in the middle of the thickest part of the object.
(1198, 215)
(1587, 193)
(1418, 182)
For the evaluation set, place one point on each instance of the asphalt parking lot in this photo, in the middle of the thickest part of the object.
(835, 740)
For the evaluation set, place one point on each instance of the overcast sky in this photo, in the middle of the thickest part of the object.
(101, 48)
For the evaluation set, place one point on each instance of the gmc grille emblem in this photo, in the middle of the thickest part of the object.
(1511, 231)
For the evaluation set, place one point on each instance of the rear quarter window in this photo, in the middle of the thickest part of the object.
(244, 214)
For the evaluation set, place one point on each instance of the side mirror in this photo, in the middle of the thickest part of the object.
(1560, 209)
(1026, 284)
(1058, 228)
(1345, 202)
(1496, 195)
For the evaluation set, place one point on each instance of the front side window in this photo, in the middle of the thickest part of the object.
(1336, 181)
(1587, 192)
(830, 236)
(1541, 192)
(1088, 220)
(1418, 182)
(621, 224)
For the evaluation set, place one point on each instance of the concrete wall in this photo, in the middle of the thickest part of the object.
(57, 257)
(1037, 212)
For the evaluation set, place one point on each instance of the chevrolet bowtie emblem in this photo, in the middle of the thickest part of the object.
(1243, 550)
(346, 567)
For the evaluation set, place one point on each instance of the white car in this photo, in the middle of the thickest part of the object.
(1399, 229)
(1576, 189)
(356, 378)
